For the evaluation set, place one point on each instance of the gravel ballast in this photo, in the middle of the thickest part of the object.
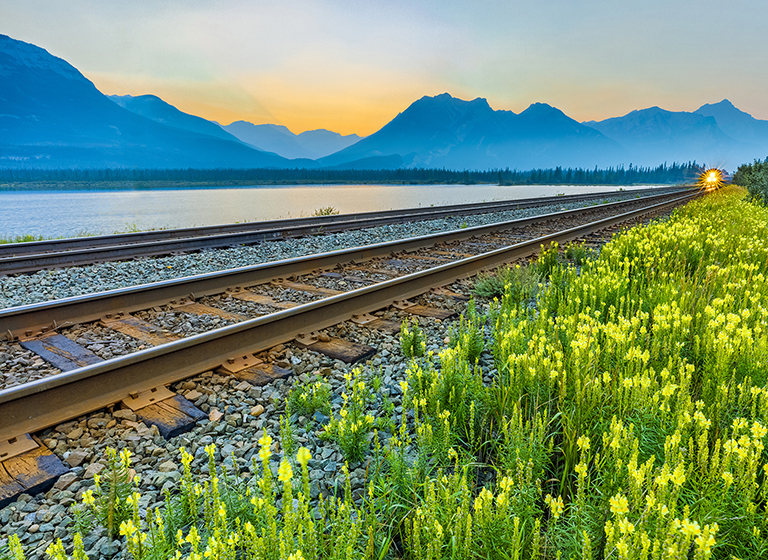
(49, 285)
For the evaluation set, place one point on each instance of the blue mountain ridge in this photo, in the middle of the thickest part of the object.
(655, 135)
(311, 144)
(155, 109)
(51, 116)
(444, 131)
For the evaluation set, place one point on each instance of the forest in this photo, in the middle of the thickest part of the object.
(12, 179)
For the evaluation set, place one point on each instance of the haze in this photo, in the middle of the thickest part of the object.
(351, 66)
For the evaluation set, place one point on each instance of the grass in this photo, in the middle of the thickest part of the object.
(129, 228)
(625, 418)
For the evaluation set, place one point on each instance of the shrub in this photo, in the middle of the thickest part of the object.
(754, 177)
(352, 427)
(108, 503)
(577, 253)
(547, 260)
(412, 343)
(325, 211)
(520, 282)
(310, 397)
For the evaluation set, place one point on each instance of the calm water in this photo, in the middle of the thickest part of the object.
(67, 213)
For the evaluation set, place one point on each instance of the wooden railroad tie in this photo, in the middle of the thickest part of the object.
(423, 310)
(32, 471)
(336, 348)
(139, 329)
(253, 370)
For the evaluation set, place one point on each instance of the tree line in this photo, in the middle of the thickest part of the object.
(663, 174)
(754, 176)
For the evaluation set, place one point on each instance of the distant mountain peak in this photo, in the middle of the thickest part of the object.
(15, 54)
(723, 103)
(722, 108)
(277, 138)
(737, 123)
(542, 109)
(159, 110)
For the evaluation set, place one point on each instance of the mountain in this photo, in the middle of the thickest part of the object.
(653, 136)
(737, 123)
(51, 116)
(311, 144)
(155, 109)
(322, 142)
(444, 131)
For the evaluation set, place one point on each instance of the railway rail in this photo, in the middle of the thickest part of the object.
(138, 379)
(17, 258)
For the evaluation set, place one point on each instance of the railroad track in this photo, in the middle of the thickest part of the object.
(18, 258)
(270, 312)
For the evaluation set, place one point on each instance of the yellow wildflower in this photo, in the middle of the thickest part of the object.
(303, 456)
(556, 505)
(619, 505)
(626, 527)
(284, 472)
(689, 528)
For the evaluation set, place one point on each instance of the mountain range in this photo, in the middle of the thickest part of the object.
(312, 144)
(443, 131)
(51, 116)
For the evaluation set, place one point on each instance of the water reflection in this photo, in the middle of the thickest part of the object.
(66, 213)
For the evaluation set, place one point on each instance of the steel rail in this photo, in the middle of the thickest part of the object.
(58, 245)
(31, 319)
(34, 406)
(16, 258)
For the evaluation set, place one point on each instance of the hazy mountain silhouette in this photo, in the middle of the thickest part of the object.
(156, 109)
(444, 131)
(737, 124)
(51, 116)
(653, 136)
(312, 144)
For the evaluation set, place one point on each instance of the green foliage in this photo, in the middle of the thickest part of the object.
(22, 239)
(287, 435)
(754, 176)
(325, 211)
(412, 343)
(13, 550)
(352, 427)
(56, 550)
(547, 261)
(468, 334)
(108, 503)
(577, 253)
(521, 283)
(147, 178)
(310, 397)
(443, 400)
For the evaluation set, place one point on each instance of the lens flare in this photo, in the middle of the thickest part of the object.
(711, 179)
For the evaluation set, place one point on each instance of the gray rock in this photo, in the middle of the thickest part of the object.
(320, 418)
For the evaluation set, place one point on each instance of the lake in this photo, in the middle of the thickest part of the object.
(67, 213)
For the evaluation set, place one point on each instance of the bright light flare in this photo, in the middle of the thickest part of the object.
(711, 179)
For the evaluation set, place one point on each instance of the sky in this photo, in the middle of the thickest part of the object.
(351, 65)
